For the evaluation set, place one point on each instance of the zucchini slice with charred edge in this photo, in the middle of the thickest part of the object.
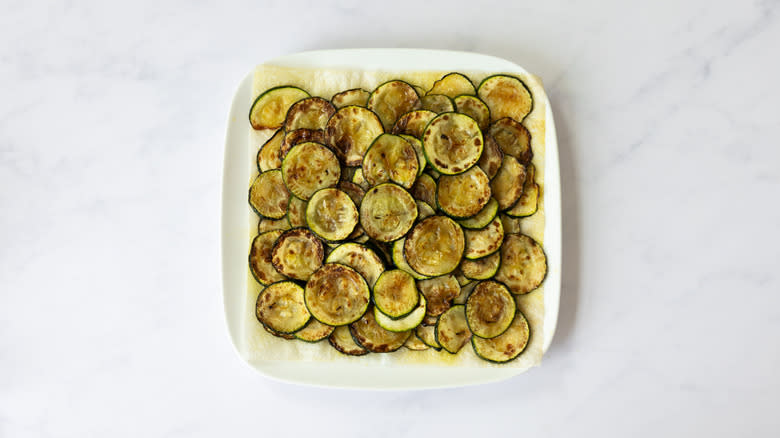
(360, 258)
(400, 262)
(474, 108)
(415, 344)
(507, 345)
(437, 103)
(405, 323)
(351, 131)
(492, 156)
(427, 334)
(266, 224)
(463, 195)
(353, 97)
(296, 212)
(424, 189)
(490, 309)
(506, 96)
(452, 85)
(452, 143)
(260, 258)
(507, 186)
(452, 330)
(392, 99)
(391, 158)
(310, 113)
(417, 145)
(309, 167)
(268, 157)
(371, 336)
(529, 200)
(523, 264)
(341, 340)
(395, 294)
(337, 295)
(424, 210)
(513, 139)
(462, 279)
(270, 108)
(280, 306)
(482, 243)
(439, 292)
(268, 195)
(465, 291)
(413, 123)
(297, 253)
(314, 331)
(331, 214)
(387, 212)
(481, 269)
(435, 246)
(483, 218)
(294, 138)
(278, 334)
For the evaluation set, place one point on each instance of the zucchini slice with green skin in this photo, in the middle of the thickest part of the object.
(294, 138)
(341, 340)
(391, 100)
(452, 330)
(452, 143)
(439, 292)
(270, 108)
(310, 113)
(337, 295)
(417, 145)
(474, 108)
(512, 225)
(268, 195)
(396, 295)
(465, 291)
(506, 346)
(358, 179)
(529, 200)
(523, 264)
(354, 191)
(513, 139)
(391, 158)
(297, 253)
(331, 214)
(463, 195)
(387, 212)
(491, 158)
(430, 320)
(405, 323)
(435, 246)
(424, 189)
(452, 85)
(260, 258)
(287, 336)
(507, 186)
(415, 344)
(437, 103)
(360, 258)
(481, 269)
(351, 131)
(266, 224)
(420, 90)
(413, 123)
(483, 218)
(482, 243)
(424, 210)
(506, 96)
(427, 334)
(353, 97)
(462, 279)
(314, 331)
(280, 307)
(268, 157)
(309, 167)
(490, 309)
(371, 336)
(400, 262)
(296, 212)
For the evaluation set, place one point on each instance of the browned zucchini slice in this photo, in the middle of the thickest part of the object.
(405, 323)
(266, 224)
(297, 253)
(351, 131)
(260, 258)
(296, 212)
(387, 212)
(513, 139)
(529, 200)
(278, 334)
(452, 143)
(280, 307)
(435, 246)
(427, 334)
(413, 123)
(507, 345)
(439, 291)
(523, 264)
(415, 344)
(337, 295)
(309, 167)
(464, 194)
(400, 262)
(353, 97)
(314, 331)
(452, 330)
(395, 294)
(465, 291)
(371, 336)
(424, 189)
(482, 243)
(491, 158)
(391, 158)
(424, 210)
(391, 100)
(268, 196)
(360, 258)
(437, 103)
(483, 218)
(474, 108)
(481, 269)
(452, 85)
(268, 157)
(331, 214)
(341, 339)
(490, 309)
(507, 186)
(506, 96)
(417, 145)
(294, 138)
(270, 108)
(310, 113)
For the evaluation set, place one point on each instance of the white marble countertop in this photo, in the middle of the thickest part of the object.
(112, 120)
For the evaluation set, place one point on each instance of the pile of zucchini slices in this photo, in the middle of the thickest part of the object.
(382, 216)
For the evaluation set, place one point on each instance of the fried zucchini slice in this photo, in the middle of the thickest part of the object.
(391, 158)
(309, 167)
(513, 139)
(296, 212)
(371, 336)
(507, 186)
(490, 309)
(506, 96)
(452, 85)
(424, 189)
(266, 224)
(523, 264)
(474, 108)
(336, 294)
(341, 339)
(427, 334)
(405, 323)
(260, 258)
(310, 113)
(452, 330)
(280, 307)
(314, 331)
(424, 210)
(270, 108)
(463, 195)
(435, 246)
(505, 346)
(417, 145)
(268, 157)
(387, 212)
(439, 292)
(465, 291)
(351, 131)
(331, 214)
(395, 294)
(437, 103)
(452, 143)
(529, 200)
(360, 258)
(353, 97)
(481, 269)
(391, 100)
(483, 242)
(293, 138)
(287, 336)
(400, 261)
(413, 123)
(297, 253)
(491, 158)
(415, 344)
(268, 195)
(483, 218)
(359, 179)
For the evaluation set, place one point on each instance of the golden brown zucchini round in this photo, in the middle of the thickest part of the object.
(309, 167)
(360, 258)
(353, 97)
(483, 242)
(452, 330)
(507, 186)
(506, 96)
(280, 307)
(336, 295)
(351, 131)
(491, 158)
(490, 309)
(483, 218)
(391, 100)
(481, 269)
(439, 292)
(506, 346)
(474, 108)
(314, 331)
(260, 255)
(270, 108)
(405, 323)
(463, 195)
(331, 214)
(268, 195)
(400, 261)
(435, 246)
(452, 85)
(297, 253)
(513, 139)
(437, 103)
(341, 339)
(523, 264)
(395, 294)
(268, 157)
(387, 212)
(294, 138)
(452, 143)
(310, 113)
(413, 123)
(528, 202)
(391, 158)
(371, 336)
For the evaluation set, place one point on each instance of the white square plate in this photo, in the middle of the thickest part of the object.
(235, 245)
